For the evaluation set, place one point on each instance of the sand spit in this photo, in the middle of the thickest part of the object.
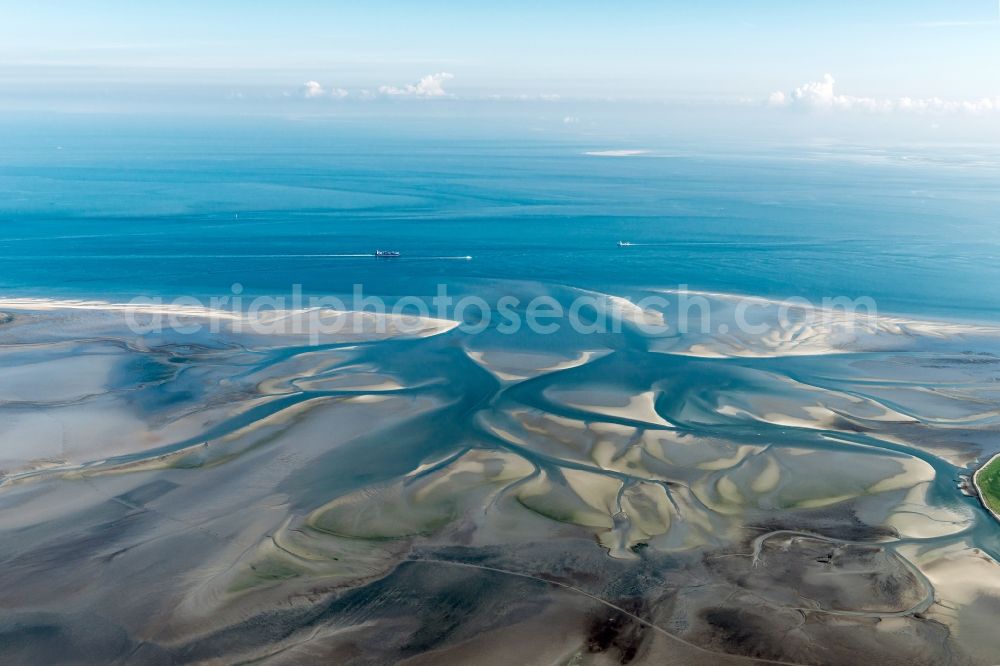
(616, 153)
(318, 324)
(723, 325)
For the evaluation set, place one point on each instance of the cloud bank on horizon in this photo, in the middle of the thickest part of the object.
(312, 90)
(431, 85)
(723, 57)
(822, 95)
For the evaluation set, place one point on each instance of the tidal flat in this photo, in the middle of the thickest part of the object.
(435, 496)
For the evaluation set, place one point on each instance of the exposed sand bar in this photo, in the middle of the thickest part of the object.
(265, 317)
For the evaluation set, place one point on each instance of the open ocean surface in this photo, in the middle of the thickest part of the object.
(101, 207)
(798, 495)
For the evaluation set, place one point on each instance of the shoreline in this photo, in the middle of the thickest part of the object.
(979, 491)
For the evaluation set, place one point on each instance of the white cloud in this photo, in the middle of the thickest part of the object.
(822, 95)
(815, 93)
(431, 85)
(312, 90)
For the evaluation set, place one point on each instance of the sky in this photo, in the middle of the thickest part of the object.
(846, 56)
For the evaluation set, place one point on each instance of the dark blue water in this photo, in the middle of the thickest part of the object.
(120, 207)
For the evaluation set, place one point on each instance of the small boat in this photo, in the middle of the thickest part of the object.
(623, 243)
(386, 253)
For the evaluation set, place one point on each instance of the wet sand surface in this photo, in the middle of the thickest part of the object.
(435, 496)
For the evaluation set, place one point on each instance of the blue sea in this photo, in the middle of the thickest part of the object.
(123, 206)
